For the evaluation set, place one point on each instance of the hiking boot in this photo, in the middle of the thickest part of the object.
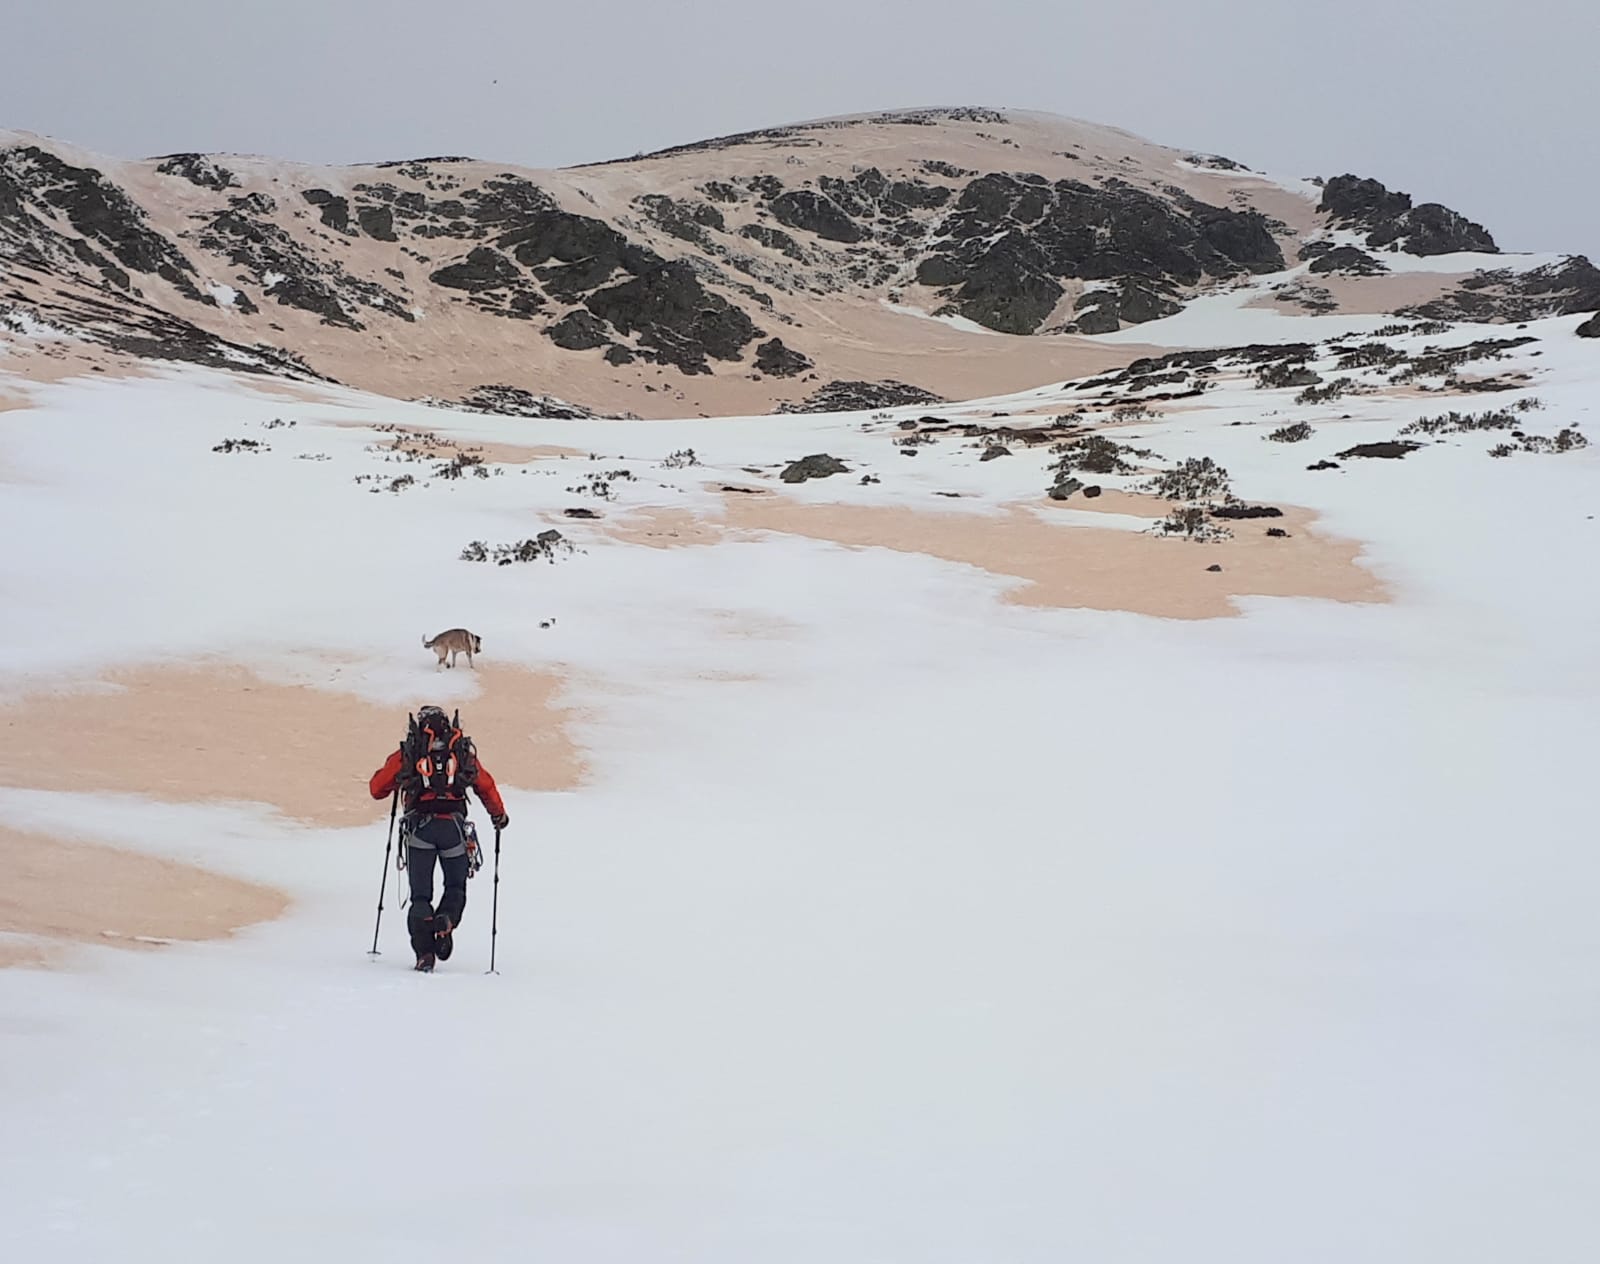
(424, 963)
(444, 945)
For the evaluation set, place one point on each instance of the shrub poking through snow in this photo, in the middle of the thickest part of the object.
(1284, 374)
(1198, 478)
(462, 464)
(1095, 454)
(1566, 440)
(1191, 523)
(1370, 355)
(242, 445)
(547, 546)
(1328, 392)
(680, 459)
(599, 485)
(1454, 422)
(1297, 433)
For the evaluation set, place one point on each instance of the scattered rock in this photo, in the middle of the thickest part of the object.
(994, 450)
(1214, 567)
(198, 169)
(1387, 451)
(1091, 491)
(513, 401)
(580, 512)
(1064, 489)
(818, 465)
(1246, 511)
(1277, 533)
(1555, 289)
(1324, 465)
(1590, 328)
(774, 239)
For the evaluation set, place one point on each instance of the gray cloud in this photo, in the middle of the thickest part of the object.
(1485, 106)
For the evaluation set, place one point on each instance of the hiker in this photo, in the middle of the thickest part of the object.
(433, 770)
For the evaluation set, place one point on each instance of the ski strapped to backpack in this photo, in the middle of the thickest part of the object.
(438, 760)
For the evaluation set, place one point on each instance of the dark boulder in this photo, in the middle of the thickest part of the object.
(579, 331)
(774, 358)
(573, 254)
(377, 222)
(1349, 199)
(818, 465)
(1590, 328)
(482, 269)
(811, 212)
(1063, 490)
(675, 317)
(1431, 229)
(335, 210)
(1392, 450)
(1390, 219)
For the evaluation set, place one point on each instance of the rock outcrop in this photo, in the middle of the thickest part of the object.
(1389, 219)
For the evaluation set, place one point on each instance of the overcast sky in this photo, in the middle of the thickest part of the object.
(1489, 107)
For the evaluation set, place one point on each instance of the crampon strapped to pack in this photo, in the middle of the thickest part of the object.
(438, 761)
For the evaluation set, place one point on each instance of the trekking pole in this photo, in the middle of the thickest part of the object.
(494, 918)
(388, 844)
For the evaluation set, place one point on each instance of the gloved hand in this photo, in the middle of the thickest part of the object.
(501, 821)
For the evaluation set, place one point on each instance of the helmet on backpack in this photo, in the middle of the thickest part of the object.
(438, 759)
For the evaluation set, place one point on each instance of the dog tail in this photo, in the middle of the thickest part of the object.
(427, 642)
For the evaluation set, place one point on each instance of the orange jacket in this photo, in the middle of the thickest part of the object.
(387, 778)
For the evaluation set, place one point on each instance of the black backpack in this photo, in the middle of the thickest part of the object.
(437, 760)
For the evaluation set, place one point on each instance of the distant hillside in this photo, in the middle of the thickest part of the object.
(876, 257)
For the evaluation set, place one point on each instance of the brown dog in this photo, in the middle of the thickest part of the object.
(455, 641)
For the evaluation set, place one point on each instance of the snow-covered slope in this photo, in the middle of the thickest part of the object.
(903, 865)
